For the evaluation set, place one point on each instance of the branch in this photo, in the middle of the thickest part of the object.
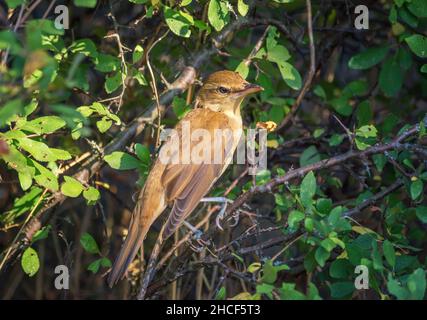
(396, 143)
(93, 164)
(266, 244)
(324, 164)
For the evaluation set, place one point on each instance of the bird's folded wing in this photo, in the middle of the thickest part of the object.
(186, 184)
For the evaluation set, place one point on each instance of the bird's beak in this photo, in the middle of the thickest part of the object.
(248, 89)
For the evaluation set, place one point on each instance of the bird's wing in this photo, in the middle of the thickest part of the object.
(186, 184)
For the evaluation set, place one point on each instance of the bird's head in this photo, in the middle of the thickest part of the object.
(224, 91)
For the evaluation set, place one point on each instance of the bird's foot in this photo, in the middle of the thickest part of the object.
(196, 242)
(224, 202)
(197, 234)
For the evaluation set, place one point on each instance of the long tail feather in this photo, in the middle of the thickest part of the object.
(128, 252)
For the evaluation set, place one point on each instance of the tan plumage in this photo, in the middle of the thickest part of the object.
(181, 185)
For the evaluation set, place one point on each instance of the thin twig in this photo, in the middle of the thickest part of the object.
(311, 71)
(22, 228)
(153, 81)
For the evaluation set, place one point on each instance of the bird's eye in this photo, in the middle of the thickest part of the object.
(223, 90)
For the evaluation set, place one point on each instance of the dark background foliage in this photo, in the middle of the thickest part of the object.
(346, 164)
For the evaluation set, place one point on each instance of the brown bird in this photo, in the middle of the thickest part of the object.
(177, 179)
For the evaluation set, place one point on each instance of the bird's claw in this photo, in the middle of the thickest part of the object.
(199, 245)
(221, 214)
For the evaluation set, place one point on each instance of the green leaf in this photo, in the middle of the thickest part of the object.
(288, 292)
(45, 177)
(178, 21)
(38, 150)
(417, 187)
(91, 194)
(121, 161)
(308, 189)
(139, 76)
(143, 153)
(294, 218)
(105, 262)
(42, 233)
(389, 253)
(328, 244)
(376, 256)
(390, 79)
(30, 261)
(180, 107)
(341, 105)
(12, 4)
(309, 224)
(8, 40)
(86, 47)
(336, 139)
(418, 44)
(365, 136)
(25, 180)
(221, 294)
(290, 75)
(418, 8)
(243, 69)
(104, 124)
(342, 289)
(320, 92)
(137, 54)
(416, 284)
(368, 58)
(88, 243)
(405, 58)
(340, 269)
(106, 63)
(71, 187)
(254, 267)
(421, 212)
(114, 82)
(43, 125)
(242, 7)
(278, 54)
(321, 255)
(367, 131)
(9, 110)
(95, 265)
(355, 88)
(85, 3)
(392, 17)
(276, 113)
(335, 215)
(269, 273)
(318, 132)
(324, 206)
(218, 14)
(394, 287)
(364, 113)
(60, 154)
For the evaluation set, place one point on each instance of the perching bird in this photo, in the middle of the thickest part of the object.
(173, 180)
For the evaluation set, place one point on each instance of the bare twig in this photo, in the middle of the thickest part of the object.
(310, 74)
(153, 81)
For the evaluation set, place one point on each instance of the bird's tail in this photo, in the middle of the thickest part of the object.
(133, 242)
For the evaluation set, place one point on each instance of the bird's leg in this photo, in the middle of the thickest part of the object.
(197, 235)
(224, 202)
